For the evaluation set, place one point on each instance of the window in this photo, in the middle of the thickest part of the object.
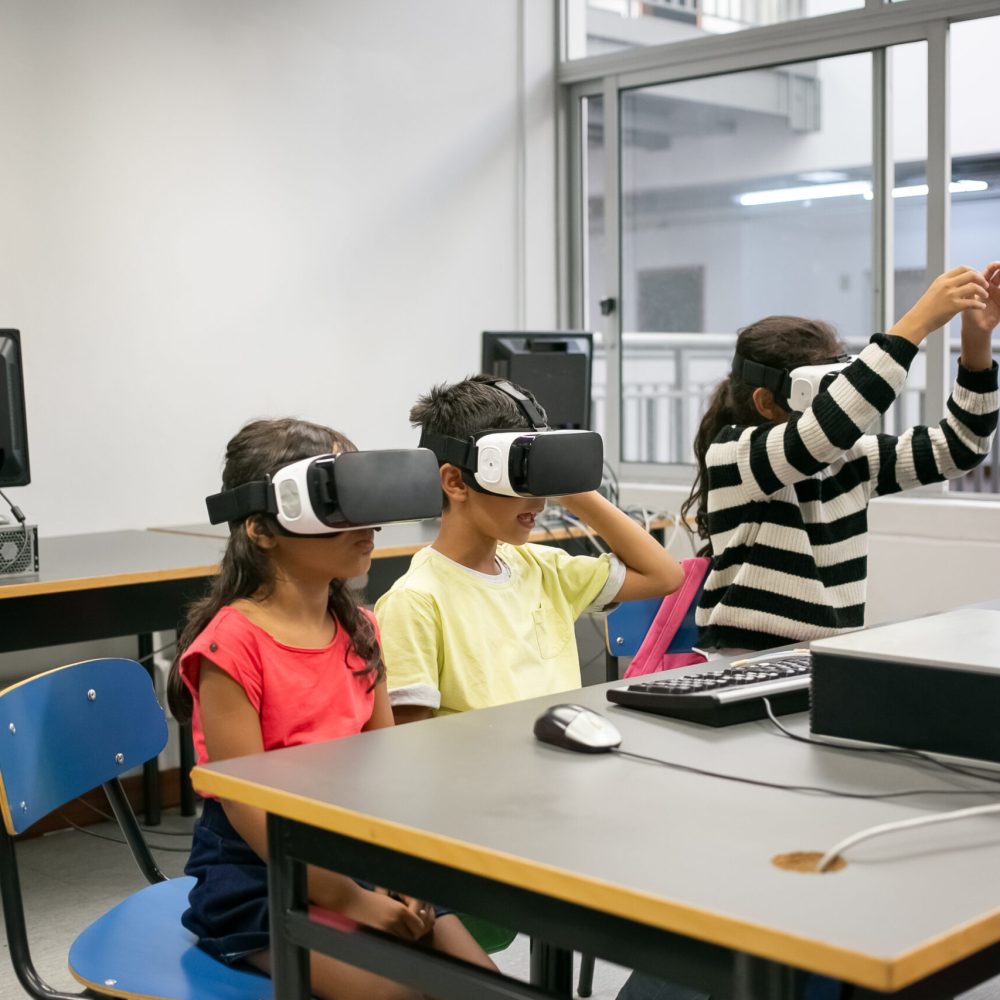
(742, 196)
(727, 176)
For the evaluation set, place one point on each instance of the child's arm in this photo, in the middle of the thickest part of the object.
(232, 729)
(773, 456)
(650, 571)
(922, 455)
(381, 716)
(409, 629)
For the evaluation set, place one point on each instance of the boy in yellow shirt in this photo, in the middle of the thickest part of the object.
(483, 617)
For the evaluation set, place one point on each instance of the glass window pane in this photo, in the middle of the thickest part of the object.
(975, 180)
(743, 195)
(599, 26)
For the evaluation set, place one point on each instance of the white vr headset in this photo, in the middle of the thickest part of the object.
(327, 494)
(795, 389)
(533, 461)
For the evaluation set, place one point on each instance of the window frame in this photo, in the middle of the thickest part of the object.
(876, 28)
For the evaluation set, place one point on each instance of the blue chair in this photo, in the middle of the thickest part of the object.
(62, 734)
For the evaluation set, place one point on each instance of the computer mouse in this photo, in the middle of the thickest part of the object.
(576, 728)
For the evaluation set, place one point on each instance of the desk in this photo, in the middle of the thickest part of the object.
(656, 869)
(104, 585)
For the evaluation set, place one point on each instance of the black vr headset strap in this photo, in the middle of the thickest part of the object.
(762, 376)
(452, 450)
(235, 504)
(524, 403)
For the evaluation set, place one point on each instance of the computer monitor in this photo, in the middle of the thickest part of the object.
(554, 366)
(14, 467)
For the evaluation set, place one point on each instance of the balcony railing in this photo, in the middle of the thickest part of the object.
(668, 378)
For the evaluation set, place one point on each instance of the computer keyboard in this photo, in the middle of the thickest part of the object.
(726, 695)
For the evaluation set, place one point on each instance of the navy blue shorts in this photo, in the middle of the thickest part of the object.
(227, 908)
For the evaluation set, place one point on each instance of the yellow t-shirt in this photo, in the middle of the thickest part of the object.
(454, 639)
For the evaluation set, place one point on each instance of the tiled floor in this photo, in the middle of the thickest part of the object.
(70, 878)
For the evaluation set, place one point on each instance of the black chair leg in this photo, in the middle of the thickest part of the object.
(586, 985)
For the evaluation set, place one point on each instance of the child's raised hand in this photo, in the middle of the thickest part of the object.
(961, 288)
(985, 320)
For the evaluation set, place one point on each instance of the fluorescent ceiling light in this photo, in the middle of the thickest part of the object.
(811, 192)
(823, 176)
(848, 189)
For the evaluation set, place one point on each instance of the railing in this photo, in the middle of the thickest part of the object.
(747, 12)
(668, 379)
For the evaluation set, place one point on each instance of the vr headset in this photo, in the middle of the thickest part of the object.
(332, 493)
(533, 461)
(795, 389)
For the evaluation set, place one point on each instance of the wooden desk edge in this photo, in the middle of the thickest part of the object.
(32, 588)
(800, 952)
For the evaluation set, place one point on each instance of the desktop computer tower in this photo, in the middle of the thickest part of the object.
(929, 684)
(18, 550)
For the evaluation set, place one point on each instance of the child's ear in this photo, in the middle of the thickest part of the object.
(259, 533)
(767, 406)
(453, 484)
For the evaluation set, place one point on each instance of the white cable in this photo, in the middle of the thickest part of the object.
(905, 824)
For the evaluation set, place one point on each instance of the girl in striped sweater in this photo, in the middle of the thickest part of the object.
(781, 496)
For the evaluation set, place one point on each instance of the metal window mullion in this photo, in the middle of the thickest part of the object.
(938, 207)
(612, 323)
(883, 181)
(571, 195)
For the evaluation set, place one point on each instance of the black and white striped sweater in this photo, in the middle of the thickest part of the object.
(788, 503)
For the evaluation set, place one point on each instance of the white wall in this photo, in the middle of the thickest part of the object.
(218, 210)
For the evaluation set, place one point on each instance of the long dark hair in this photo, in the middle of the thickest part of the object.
(778, 341)
(260, 449)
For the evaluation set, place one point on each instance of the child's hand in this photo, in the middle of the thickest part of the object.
(401, 916)
(961, 288)
(985, 320)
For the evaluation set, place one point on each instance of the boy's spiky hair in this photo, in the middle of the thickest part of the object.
(468, 407)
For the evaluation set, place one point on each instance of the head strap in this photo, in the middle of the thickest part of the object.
(524, 403)
(256, 497)
(761, 376)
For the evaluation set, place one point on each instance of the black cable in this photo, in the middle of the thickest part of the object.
(115, 840)
(968, 772)
(815, 789)
(145, 829)
(149, 656)
(22, 520)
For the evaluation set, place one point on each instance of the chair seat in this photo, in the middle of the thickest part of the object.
(141, 949)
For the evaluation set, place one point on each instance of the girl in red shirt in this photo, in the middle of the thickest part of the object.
(279, 654)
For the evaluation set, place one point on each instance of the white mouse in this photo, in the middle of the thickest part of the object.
(577, 728)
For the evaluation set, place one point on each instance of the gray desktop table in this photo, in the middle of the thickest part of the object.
(104, 585)
(654, 868)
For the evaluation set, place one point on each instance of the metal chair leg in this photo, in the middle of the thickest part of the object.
(586, 984)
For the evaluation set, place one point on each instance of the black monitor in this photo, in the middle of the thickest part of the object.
(14, 468)
(554, 366)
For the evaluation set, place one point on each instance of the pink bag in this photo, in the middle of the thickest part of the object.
(674, 625)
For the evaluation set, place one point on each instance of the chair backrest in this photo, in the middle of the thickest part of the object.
(660, 634)
(67, 731)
